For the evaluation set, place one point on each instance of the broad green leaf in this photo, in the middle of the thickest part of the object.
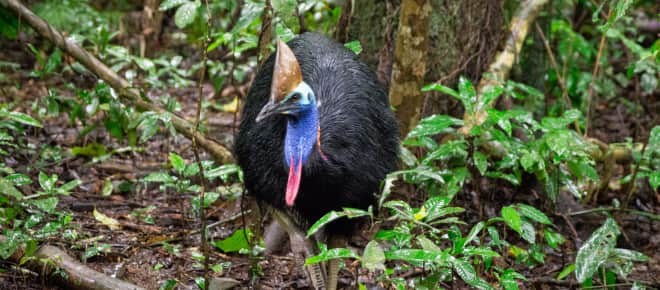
(89, 150)
(107, 188)
(186, 14)
(427, 244)
(436, 212)
(467, 94)
(433, 125)
(159, 177)
(13, 240)
(45, 204)
(480, 161)
(512, 218)
(466, 271)
(566, 271)
(413, 255)
(235, 242)
(354, 46)
(373, 257)
(67, 187)
(177, 162)
(95, 251)
(554, 239)
(472, 235)
(442, 89)
(54, 60)
(629, 255)
(509, 277)
(18, 179)
(169, 4)
(595, 251)
(654, 180)
(8, 188)
(336, 253)
(527, 232)
(552, 123)
(490, 94)
(24, 119)
(533, 214)
(333, 215)
(481, 251)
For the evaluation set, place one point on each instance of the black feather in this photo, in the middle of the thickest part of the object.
(359, 136)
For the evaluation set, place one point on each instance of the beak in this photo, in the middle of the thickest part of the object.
(274, 108)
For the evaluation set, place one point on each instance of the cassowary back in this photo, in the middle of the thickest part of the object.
(359, 135)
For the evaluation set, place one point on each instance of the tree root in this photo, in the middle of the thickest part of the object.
(51, 262)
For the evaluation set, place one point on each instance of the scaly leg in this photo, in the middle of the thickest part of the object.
(333, 265)
(300, 245)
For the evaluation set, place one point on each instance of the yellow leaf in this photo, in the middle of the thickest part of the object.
(113, 224)
(230, 107)
(421, 214)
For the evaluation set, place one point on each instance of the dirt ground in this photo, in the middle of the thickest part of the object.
(137, 253)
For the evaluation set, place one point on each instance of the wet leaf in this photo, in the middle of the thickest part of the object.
(512, 218)
(111, 223)
(235, 242)
(373, 257)
(533, 214)
(595, 251)
(186, 14)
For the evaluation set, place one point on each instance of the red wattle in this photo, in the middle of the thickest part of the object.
(293, 184)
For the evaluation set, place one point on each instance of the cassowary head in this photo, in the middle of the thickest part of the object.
(292, 97)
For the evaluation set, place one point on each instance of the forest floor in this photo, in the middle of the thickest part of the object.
(148, 254)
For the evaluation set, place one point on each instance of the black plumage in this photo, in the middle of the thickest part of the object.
(358, 135)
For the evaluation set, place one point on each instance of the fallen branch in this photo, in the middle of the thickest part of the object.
(48, 259)
(127, 93)
(499, 69)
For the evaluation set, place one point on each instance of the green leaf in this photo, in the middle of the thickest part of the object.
(7, 188)
(373, 257)
(54, 60)
(336, 253)
(630, 255)
(554, 239)
(427, 244)
(234, 243)
(24, 119)
(534, 214)
(354, 46)
(159, 177)
(186, 14)
(13, 240)
(177, 162)
(89, 150)
(566, 271)
(512, 218)
(107, 188)
(67, 187)
(480, 161)
(490, 94)
(333, 215)
(595, 251)
(169, 4)
(654, 180)
(433, 125)
(442, 89)
(45, 204)
(481, 251)
(414, 255)
(466, 271)
(551, 123)
(467, 94)
(527, 232)
(18, 179)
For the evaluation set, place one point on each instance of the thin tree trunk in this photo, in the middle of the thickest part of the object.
(410, 63)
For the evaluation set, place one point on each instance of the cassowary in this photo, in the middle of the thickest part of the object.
(317, 134)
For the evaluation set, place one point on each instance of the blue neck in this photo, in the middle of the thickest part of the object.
(301, 134)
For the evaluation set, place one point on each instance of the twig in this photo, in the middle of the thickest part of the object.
(202, 178)
(634, 176)
(123, 88)
(601, 46)
(560, 77)
(608, 209)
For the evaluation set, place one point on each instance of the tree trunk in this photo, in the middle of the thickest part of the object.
(410, 63)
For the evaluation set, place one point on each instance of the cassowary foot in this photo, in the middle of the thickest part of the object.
(303, 248)
(333, 265)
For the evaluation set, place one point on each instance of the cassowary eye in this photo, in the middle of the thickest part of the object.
(295, 97)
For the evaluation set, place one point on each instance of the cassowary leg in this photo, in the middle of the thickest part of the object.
(301, 246)
(274, 238)
(333, 265)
